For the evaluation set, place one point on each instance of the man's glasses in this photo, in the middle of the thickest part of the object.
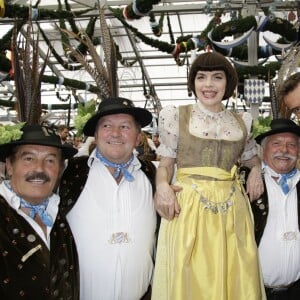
(295, 111)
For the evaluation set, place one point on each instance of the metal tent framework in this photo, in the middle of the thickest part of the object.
(155, 78)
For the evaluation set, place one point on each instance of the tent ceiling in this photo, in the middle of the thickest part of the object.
(154, 73)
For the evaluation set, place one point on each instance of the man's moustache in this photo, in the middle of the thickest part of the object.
(38, 176)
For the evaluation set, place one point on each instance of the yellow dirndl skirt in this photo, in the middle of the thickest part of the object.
(208, 252)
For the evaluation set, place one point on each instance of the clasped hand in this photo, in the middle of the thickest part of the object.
(167, 206)
(255, 186)
(165, 201)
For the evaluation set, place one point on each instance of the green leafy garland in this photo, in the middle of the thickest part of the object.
(84, 113)
(9, 133)
(261, 125)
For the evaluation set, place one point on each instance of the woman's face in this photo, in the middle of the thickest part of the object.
(210, 87)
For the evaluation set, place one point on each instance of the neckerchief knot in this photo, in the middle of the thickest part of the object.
(283, 180)
(119, 168)
(37, 209)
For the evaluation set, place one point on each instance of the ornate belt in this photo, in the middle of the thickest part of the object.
(280, 288)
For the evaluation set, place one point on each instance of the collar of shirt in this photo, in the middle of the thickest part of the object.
(271, 173)
(14, 201)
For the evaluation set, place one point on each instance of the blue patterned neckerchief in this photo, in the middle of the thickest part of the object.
(119, 168)
(38, 209)
(283, 180)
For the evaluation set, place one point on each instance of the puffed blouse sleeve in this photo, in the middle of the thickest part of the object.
(250, 149)
(168, 128)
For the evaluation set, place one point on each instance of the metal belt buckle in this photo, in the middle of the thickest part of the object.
(279, 289)
(289, 236)
(119, 238)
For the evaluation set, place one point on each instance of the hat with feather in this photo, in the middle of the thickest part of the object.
(104, 73)
(37, 135)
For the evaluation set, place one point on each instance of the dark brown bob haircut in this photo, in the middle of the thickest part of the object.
(214, 61)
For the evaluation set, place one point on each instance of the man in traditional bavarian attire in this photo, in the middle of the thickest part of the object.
(277, 212)
(38, 258)
(111, 194)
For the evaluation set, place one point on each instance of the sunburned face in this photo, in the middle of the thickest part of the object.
(34, 172)
(210, 87)
(116, 137)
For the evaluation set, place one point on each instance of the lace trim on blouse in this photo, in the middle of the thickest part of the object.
(203, 124)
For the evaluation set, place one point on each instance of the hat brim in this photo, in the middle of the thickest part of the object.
(294, 130)
(142, 116)
(6, 149)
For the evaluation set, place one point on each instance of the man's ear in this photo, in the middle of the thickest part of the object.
(138, 139)
(8, 166)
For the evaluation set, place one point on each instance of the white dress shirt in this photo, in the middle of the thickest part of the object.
(279, 249)
(114, 225)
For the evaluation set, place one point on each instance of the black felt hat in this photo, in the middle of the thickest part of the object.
(280, 126)
(117, 105)
(37, 135)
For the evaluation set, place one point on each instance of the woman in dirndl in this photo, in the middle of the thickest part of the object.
(206, 248)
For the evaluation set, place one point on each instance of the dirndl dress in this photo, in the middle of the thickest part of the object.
(208, 252)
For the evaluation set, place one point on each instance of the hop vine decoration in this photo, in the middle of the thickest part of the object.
(218, 32)
(278, 26)
(9, 133)
(261, 125)
(22, 12)
(84, 112)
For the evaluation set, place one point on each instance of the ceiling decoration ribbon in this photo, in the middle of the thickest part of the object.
(231, 44)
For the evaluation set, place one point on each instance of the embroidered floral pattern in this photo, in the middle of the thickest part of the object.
(204, 124)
